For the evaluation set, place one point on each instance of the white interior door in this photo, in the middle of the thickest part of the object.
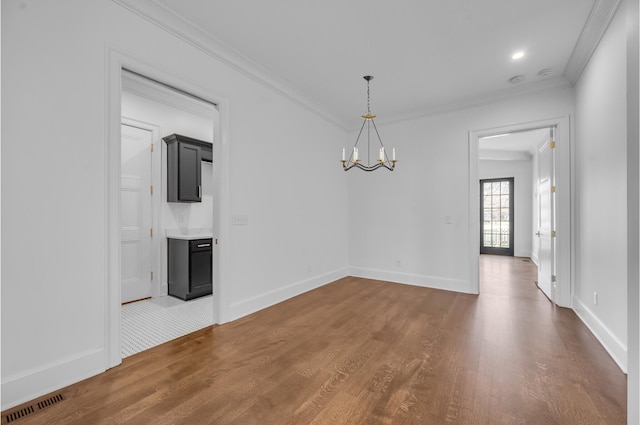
(546, 225)
(135, 213)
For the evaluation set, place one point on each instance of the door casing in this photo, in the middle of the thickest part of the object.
(221, 223)
(564, 202)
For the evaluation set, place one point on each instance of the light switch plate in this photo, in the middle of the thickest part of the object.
(240, 219)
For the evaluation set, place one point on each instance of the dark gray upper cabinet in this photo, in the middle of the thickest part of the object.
(184, 156)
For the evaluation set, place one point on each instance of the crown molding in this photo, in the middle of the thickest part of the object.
(593, 31)
(556, 83)
(187, 31)
(601, 15)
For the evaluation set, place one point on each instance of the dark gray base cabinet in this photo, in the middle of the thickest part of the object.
(190, 273)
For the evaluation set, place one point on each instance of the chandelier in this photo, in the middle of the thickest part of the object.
(382, 157)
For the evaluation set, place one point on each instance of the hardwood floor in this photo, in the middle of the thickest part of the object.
(359, 351)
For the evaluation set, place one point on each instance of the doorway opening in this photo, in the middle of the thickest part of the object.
(150, 111)
(535, 156)
(496, 216)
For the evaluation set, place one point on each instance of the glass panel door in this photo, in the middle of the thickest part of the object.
(496, 216)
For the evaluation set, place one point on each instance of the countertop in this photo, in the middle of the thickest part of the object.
(191, 237)
(190, 234)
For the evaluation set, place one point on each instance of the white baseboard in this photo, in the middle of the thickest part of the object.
(525, 254)
(534, 258)
(434, 282)
(27, 386)
(251, 305)
(616, 348)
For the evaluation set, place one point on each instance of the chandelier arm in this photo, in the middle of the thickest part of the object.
(378, 134)
(350, 160)
(368, 168)
(385, 152)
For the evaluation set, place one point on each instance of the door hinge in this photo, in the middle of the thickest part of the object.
(552, 144)
(216, 241)
(151, 147)
(151, 232)
(553, 189)
(151, 274)
(553, 233)
(553, 278)
(151, 189)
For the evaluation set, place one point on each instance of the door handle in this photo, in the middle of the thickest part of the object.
(203, 245)
(538, 233)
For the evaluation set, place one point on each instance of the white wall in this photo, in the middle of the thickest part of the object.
(282, 172)
(522, 172)
(600, 192)
(430, 182)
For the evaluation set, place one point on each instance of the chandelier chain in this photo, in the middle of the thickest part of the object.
(368, 99)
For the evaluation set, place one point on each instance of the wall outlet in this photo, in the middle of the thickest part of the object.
(398, 263)
(448, 219)
(595, 298)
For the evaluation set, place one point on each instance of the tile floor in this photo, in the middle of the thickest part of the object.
(155, 321)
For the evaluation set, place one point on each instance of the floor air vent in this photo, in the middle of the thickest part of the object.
(50, 401)
(29, 410)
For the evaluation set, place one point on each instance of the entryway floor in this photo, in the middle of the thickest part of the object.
(155, 321)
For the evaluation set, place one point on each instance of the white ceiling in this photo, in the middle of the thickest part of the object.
(425, 55)
(519, 146)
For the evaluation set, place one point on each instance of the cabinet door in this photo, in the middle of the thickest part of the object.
(200, 270)
(189, 178)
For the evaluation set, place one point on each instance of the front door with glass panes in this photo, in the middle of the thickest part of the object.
(496, 216)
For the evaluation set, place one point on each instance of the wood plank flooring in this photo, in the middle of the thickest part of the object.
(360, 351)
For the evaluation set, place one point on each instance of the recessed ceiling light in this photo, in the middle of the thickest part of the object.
(517, 55)
(517, 79)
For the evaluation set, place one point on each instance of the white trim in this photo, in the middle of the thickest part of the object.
(616, 348)
(564, 202)
(514, 92)
(118, 61)
(190, 33)
(267, 299)
(593, 31)
(43, 380)
(168, 20)
(434, 282)
(112, 287)
(535, 260)
(157, 92)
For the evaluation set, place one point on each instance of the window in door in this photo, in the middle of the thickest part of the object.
(496, 216)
